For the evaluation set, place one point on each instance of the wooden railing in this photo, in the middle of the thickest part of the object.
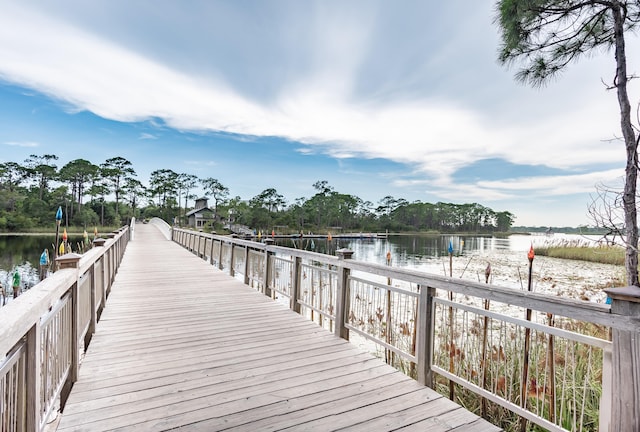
(472, 345)
(44, 331)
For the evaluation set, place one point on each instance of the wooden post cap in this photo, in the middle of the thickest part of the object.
(111, 235)
(69, 260)
(629, 293)
(268, 241)
(344, 253)
(99, 241)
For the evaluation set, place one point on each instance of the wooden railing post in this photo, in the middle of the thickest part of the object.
(118, 252)
(74, 368)
(112, 261)
(211, 252)
(231, 261)
(71, 261)
(342, 300)
(268, 259)
(424, 335)
(295, 285)
(246, 265)
(625, 415)
(94, 311)
(220, 266)
(33, 378)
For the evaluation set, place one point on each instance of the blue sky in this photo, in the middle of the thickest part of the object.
(376, 97)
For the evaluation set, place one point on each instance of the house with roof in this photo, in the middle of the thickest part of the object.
(200, 215)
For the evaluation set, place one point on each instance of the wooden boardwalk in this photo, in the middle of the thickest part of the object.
(182, 345)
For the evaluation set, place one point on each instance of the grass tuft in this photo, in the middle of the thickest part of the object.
(575, 250)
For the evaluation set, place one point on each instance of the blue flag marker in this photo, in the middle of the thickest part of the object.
(59, 214)
(450, 247)
(44, 258)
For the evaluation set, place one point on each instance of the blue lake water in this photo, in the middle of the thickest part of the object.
(410, 250)
(22, 252)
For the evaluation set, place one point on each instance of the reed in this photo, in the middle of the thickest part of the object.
(564, 382)
(576, 250)
(575, 387)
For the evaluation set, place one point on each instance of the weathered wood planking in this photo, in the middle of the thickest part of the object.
(182, 345)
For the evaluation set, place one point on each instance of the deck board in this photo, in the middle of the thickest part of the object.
(181, 345)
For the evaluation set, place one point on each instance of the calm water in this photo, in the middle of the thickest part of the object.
(22, 253)
(412, 251)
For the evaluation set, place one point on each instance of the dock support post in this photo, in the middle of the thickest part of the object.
(424, 335)
(232, 272)
(220, 266)
(74, 370)
(33, 372)
(626, 362)
(342, 300)
(94, 310)
(246, 265)
(295, 285)
(268, 259)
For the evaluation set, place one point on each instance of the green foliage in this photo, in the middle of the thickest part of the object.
(23, 208)
(16, 221)
(547, 35)
(87, 218)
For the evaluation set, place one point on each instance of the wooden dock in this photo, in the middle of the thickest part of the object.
(182, 345)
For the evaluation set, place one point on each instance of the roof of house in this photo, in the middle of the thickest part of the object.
(199, 210)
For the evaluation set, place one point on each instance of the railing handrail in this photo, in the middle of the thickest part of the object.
(162, 225)
(21, 314)
(619, 386)
(596, 313)
(50, 324)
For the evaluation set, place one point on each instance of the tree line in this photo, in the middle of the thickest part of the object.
(110, 193)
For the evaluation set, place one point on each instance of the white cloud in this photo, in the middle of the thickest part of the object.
(208, 163)
(147, 136)
(557, 185)
(434, 137)
(22, 144)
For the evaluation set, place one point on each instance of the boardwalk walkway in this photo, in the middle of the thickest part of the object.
(184, 346)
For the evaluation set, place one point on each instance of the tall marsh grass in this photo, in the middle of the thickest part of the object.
(582, 251)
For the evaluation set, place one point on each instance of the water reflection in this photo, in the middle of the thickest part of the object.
(413, 250)
(21, 253)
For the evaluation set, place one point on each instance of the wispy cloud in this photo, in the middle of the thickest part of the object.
(556, 185)
(436, 137)
(147, 136)
(22, 144)
(204, 163)
(318, 104)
